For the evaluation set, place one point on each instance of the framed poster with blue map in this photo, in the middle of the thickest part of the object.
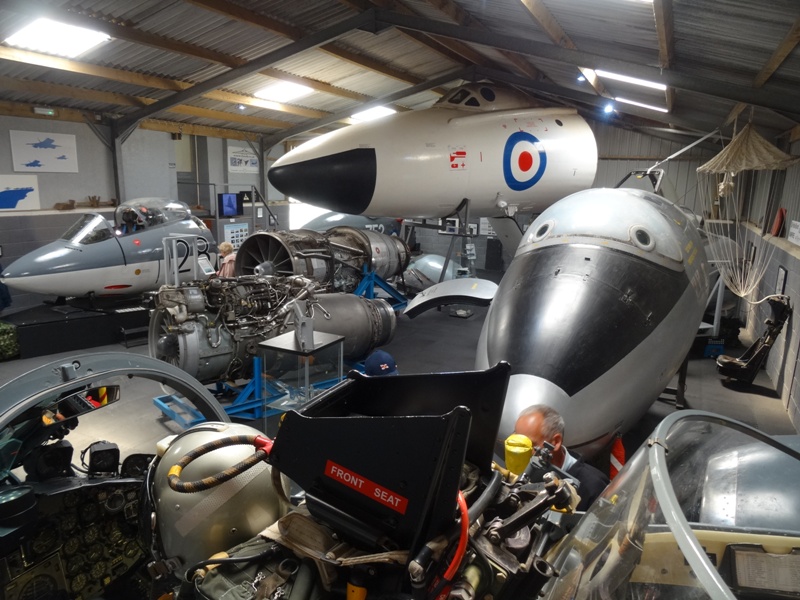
(19, 192)
(37, 152)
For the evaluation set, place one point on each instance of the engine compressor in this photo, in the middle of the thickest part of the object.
(211, 329)
(336, 258)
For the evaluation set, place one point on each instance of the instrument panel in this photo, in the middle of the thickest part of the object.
(85, 538)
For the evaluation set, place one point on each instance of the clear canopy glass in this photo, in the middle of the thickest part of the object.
(708, 508)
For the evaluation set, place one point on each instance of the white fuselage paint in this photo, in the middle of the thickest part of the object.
(429, 161)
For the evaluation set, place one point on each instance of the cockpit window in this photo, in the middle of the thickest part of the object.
(136, 215)
(90, 229)
(458, 97)
(473, 101)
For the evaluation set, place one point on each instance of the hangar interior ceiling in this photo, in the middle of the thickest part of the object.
(194, 66)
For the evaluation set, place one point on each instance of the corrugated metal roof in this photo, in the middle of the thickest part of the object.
(716, 41)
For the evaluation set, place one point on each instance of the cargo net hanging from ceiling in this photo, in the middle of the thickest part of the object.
(725, 189)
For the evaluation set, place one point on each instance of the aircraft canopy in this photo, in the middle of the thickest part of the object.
(707, 508)
(141, 213)
(484, 98)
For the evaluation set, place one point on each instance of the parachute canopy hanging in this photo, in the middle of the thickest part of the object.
(724, 194)
(748, 151)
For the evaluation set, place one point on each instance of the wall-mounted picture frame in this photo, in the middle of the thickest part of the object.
(780, 282)
(452, 226)
(751, 252)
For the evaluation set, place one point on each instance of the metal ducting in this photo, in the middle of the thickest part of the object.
(335, 259)
(211, 329)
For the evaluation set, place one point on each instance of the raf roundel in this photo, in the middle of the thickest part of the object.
(524, 161)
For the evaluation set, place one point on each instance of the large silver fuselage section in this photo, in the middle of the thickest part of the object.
(597, 311)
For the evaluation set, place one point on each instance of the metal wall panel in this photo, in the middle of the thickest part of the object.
(622, 151)
(790, 199)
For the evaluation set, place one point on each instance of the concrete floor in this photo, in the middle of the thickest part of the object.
(437, 342)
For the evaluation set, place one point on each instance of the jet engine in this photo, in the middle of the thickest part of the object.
(211, 329)
(335, 259)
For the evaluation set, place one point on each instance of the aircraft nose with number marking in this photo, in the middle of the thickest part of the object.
(119, 257)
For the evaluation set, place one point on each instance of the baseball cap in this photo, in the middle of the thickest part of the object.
(380, 363)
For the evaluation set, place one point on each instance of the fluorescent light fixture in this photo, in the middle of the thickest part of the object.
(52, 37)
(372, 114)
(283, 91)
(633, 80)
(608, 108)
(642, 104)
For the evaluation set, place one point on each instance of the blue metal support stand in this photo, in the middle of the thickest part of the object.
(370, 280)
(251, 402)
(258, 399)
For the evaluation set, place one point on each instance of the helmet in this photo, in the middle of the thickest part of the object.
(191, 527)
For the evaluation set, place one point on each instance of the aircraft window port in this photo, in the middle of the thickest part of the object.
(98, 235)
(488, 94)
(543, 231)
(472, 102)
(459, 97)
(642, 238)
(559, 122)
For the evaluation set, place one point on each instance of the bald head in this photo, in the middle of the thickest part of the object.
(541, 423)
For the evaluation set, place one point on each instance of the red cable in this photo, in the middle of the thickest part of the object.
(263, 443)
(461, 550)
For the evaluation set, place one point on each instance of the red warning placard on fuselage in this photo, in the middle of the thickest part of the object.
(364, 486)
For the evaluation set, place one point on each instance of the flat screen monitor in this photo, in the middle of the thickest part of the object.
(229, 205)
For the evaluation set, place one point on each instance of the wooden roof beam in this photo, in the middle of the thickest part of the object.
(130, 34)
(465, 19)
(67, 91)
(451, 49)
(21, 109)
(244, 15)
(149, 81)
(542, 15)
(789, 43)
(323, 36)
(662, 13)
(721, 89)
(783, 50)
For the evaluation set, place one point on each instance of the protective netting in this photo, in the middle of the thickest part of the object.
(725, 190)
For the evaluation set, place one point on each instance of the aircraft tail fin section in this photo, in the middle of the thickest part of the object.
(466, 290)
(508, 232)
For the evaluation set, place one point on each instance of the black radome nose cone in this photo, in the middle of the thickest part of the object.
(342, 182)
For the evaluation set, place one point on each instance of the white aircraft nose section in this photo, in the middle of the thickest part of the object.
(525, 390)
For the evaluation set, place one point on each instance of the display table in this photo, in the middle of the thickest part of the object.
(288, 343)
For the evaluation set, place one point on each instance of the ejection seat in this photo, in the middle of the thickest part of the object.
(745, 368)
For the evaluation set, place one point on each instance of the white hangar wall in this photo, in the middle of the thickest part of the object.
(621, 151)
(148, 165)
(95, 174)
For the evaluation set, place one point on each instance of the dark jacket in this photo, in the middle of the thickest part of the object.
(592, 482)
